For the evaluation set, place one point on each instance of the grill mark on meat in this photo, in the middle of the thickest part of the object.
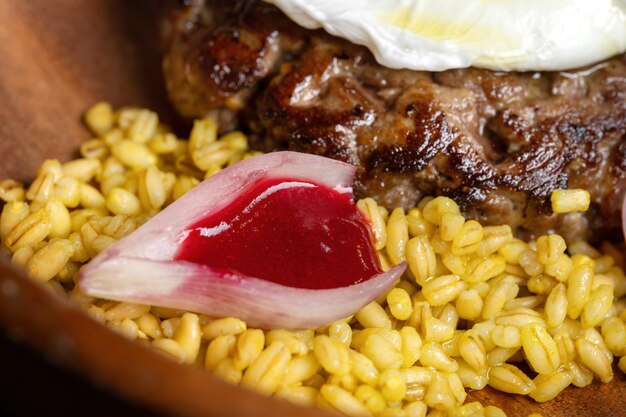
(498, 143)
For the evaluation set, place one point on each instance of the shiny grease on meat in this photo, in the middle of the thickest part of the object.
(498, 143)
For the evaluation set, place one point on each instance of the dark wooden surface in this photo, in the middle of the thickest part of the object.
(57, 58)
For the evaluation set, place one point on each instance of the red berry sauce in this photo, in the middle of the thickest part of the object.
(294, 233)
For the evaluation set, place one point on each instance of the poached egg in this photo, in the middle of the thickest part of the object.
(502, 35)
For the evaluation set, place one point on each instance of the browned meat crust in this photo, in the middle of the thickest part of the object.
(498, 143)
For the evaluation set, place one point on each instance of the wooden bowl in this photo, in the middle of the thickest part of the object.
(58, 58)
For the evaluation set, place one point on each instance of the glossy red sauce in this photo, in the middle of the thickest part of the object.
(294, 233)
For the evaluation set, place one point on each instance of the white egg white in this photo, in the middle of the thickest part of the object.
(506, 35)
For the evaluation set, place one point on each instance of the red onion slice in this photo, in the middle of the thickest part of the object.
(141, 269)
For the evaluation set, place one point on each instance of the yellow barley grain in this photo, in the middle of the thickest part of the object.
(567, 201)
(220, 349)
(513, 250)
(371, 398)
(13, 213)
(90, 197)
(599, 304)
(579, 290)
(418, 226)
(497, 297)
(94, 149)
(519, 318)
(622, 364)
(188, 336)
(369, 208)
(11, 190)
(581, 376)
(169, 325)
(228, 372)
(556, 306)
(473, 409)
(494, 238)
(332, 355)
(470, 378)
(295, 345)
(60, 217)
(565, 346)
(183, 184)
(439, 291)
(439, 395)
(339, 331)
(456, 386)
(373, 315)
(382, 353)
(84, 169)
(447, 314)
(151, 188)
(347, 382)
(485, 269)
(30, 231)
(343, 401)
(67, 190)
(304, 396)
(359, 337)
(133, 154)
(493, 411)
(431, 354)
(547, 387)
(397, 236)
(99, 118)
(592, 357)
(300, 368)
(363, 368)
(507, 336)
(204, 132)
(22, 255)
(472, 350)
(550, 248)
(469, 304)
(499, 355)
(121, 201)
(211, 156)
(561, 269)
(509, 378)
(411, 346)
(265, 373)
(150, 325)
(112, 181)
(451, 224)
(392, 385)
(142, 126)
(126, 311)
(455, 264)
(220, 327)
(614, 333)
(434, 209)
(468, 238)
(170, 347)
(594, 336)
(421, 258)
(249, 346)
(110, 166)
(540, 349)
(541, 284)
(163, 143)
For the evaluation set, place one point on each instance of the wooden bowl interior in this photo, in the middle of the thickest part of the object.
(58, 58)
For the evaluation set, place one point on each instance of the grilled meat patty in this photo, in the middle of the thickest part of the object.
(498, 143)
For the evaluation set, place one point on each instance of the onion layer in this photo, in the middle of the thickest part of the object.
(141, 269)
